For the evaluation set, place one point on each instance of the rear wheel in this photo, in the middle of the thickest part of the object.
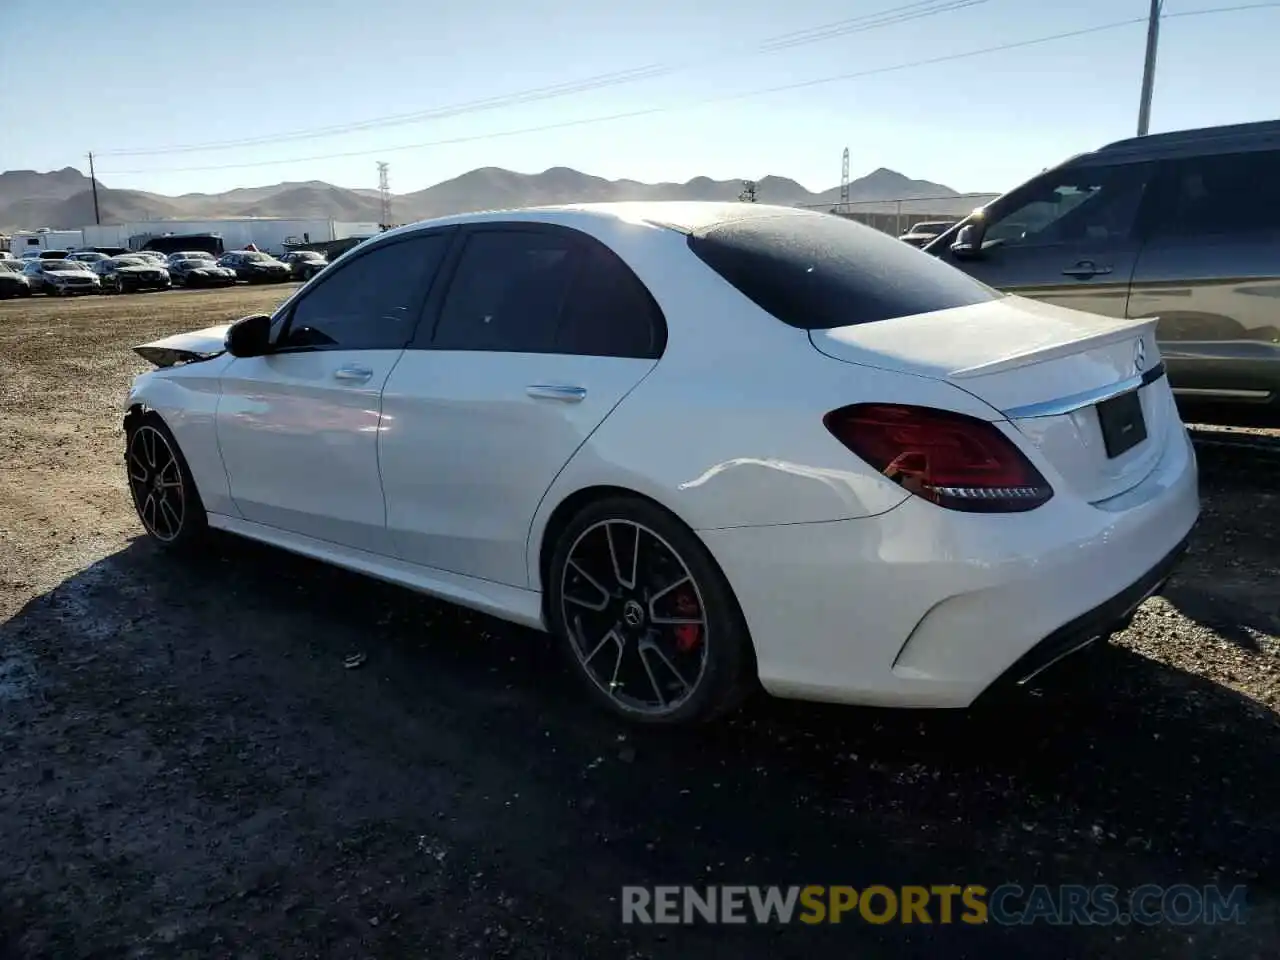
(646, 616)
(163, 491)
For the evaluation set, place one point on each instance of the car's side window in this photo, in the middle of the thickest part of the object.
(372, 303)
(609, 312)
(1079, 204)
(507, 292)
(1230, 193)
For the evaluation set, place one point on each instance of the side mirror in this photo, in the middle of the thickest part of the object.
(250, 337)
(968, 242)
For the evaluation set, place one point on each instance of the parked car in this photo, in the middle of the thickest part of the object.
(60, 278)
(131, 274)
(190, 255)
(304, 264)
(701, 443)
(89, 257)
(200, 271)
(1180, 226)
(255, 266)
(921, 233)
(12, 281)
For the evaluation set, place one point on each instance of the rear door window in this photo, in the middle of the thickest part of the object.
(507, 292)
(819, 271)
(608, 312)
(1234, 193)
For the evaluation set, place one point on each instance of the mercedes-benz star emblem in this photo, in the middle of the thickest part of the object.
(633, 613)
(1139, 356)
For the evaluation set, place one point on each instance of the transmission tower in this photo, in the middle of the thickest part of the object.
(384, 194)
(844, 181)
(748, 194)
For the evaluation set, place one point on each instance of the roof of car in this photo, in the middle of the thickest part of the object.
(1262, 135)
(685, 216)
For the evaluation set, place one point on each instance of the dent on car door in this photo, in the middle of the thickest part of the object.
(298, 428)
(1211, 272)
(540, 334)
(1069, 237)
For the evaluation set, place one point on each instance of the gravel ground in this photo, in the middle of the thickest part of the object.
(187, 769)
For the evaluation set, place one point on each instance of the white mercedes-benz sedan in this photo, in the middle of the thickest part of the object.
(703, 445)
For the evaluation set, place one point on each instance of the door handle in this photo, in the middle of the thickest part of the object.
(1086, 268)
(553, 391)
(352, 373)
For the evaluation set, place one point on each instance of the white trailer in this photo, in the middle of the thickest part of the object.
(32, 242)
(269, 234)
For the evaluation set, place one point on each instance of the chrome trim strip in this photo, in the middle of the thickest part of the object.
(1214, 392)
(1086, 398)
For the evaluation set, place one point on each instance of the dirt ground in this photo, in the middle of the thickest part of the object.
(187, 769)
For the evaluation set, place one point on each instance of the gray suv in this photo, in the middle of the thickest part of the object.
(1181, 226)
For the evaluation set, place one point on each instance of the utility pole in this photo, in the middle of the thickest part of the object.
(93, 182)
(748, 194)
(384, 193)
(844, 181)
(1149, 68)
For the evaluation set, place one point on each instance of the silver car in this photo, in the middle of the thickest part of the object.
(1181, 226)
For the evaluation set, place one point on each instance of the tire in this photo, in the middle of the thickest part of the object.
(666, 673)
(153, 462)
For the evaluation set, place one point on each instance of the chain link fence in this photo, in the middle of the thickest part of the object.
(898, 216)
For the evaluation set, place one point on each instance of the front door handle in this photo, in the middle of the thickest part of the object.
(352, 373)
(555, 391)
(1086, 268)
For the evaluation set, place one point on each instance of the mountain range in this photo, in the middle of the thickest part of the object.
(63, 199)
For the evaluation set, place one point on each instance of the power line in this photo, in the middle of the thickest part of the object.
(693, 104)
(860, 24)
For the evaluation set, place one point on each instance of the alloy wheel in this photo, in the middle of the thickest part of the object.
(635, 617)
(155, 480)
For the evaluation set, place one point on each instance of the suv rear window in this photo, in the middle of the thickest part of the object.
(819, 271)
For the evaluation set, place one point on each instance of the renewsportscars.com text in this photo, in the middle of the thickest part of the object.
(974, 904)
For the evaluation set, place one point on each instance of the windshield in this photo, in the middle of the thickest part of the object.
(191, 263)
(191, 255)
(308, 255)
(253, 257)
(64, 265)
(819, 271)
(933, 226)
(128, 262)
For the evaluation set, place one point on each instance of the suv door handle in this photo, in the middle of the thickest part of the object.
(353, 373)
(1086, 268)
(553, 391)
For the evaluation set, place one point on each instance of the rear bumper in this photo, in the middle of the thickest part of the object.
(1109, 617)
(925, 607)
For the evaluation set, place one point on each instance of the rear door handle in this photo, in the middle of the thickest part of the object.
(352, 373)
(555, 391)
(1086, 268)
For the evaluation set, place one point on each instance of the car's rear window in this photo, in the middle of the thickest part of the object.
(820, 271)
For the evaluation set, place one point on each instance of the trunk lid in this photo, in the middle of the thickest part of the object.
(185, 347)
(1043, 368)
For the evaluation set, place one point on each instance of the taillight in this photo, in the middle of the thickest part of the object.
(953, 460)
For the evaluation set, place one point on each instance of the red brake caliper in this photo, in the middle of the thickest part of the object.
(688, 635)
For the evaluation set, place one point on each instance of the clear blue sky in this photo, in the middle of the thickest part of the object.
(128, 75)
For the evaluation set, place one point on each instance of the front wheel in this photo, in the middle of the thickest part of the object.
(160, 483)
(646, 616)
